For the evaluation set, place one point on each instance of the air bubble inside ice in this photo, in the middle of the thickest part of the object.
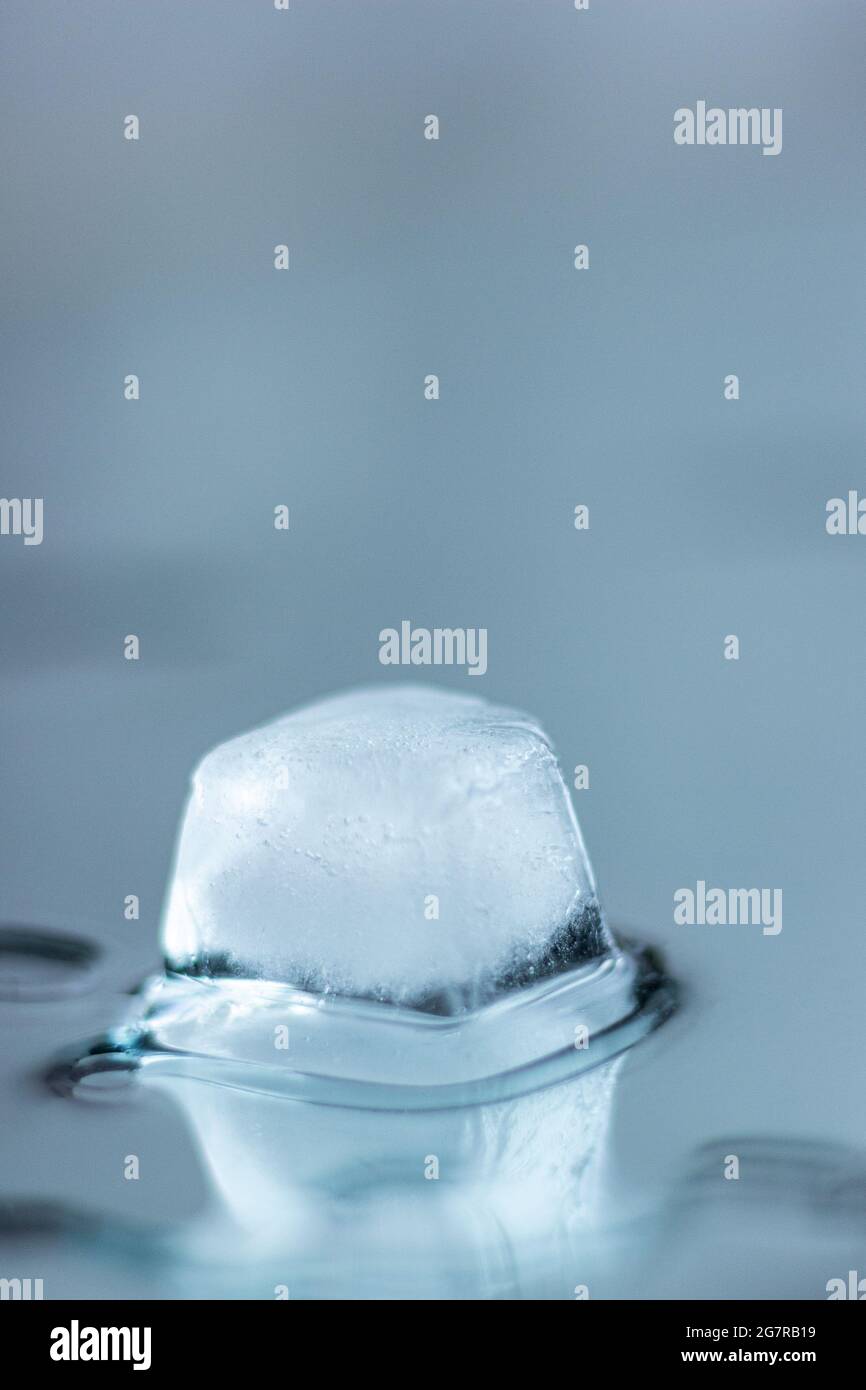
(400, 844)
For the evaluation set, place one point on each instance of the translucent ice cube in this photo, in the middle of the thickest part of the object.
(412, 848)
(401, 844)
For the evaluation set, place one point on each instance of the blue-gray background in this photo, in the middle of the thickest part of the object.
(604, 387)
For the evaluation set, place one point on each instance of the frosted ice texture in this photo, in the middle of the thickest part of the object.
(319, 849)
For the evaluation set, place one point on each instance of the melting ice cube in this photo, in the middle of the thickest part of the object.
(415, 848)
(402, 844)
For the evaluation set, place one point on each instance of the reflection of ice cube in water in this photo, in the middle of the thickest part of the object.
(407, 845)
(390, 1191)
(308, 963)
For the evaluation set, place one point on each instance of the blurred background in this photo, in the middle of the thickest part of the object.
(602, 387)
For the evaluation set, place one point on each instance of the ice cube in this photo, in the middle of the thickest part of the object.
(403, 844)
